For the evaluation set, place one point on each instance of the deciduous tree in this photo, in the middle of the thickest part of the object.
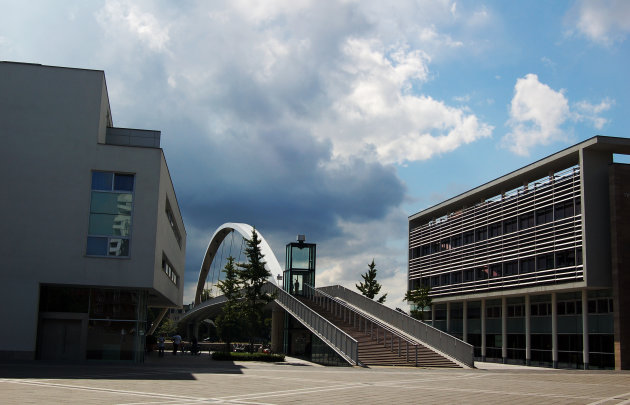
(420, 299)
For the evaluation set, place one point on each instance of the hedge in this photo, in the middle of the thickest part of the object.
(239, 356)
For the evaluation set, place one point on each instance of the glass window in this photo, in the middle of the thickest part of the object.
(482, 273)
(102, 181)
(565, 258)
(495, 230)
(469, 237)
(469, 275)
(526, 221)
(168, 269)
(123, 182)
(544, 215)
(510, 268)
(509, 225)
(456, 277)
(544, 262)
(527, 265)
(118, 247)
(300, 257)
(111, 203)
(482, 233)
(563, 210)
(97, 246)
(111, 208)
(456, 241)
(496, 270)
(105, 224)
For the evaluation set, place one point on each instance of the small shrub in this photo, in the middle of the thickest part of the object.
(236, 356)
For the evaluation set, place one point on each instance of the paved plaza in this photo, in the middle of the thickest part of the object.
(199, 380)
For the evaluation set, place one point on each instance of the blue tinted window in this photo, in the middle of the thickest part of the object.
(102, 181)
(96, 246)
(123, 182)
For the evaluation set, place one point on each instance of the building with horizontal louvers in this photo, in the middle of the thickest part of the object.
(522, 266)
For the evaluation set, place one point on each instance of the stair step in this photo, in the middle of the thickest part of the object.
(372, 353)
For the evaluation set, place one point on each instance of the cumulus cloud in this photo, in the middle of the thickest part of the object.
(119, 17)
(376, 113)
(538, 114)
(288, 115)
(586, 111)
(604, 22)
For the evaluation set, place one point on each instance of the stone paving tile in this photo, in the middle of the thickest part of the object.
(181, 381)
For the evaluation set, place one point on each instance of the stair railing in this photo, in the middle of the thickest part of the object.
(365, 323)
(342, 343)
(427, 334)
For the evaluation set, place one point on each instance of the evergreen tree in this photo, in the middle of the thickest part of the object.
(254, 275)
(420, 299)
(229, 323)
(370, 288)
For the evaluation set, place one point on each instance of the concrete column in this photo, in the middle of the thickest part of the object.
(157, 321)
(465, 321)
(528, 331)
(277, 329)
(448, 317)
(483, 329)
(554, 329)
(585, 328)
(504, 329)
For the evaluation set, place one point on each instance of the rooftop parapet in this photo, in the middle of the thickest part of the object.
(133, 137)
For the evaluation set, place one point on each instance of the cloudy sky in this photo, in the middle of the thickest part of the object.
(339, 119)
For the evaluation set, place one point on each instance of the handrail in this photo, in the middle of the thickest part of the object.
(428, 335)
(317, 296)
(342, 343)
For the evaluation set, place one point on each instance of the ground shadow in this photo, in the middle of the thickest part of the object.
(164, 368)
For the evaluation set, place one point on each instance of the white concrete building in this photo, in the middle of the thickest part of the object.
(92, 233)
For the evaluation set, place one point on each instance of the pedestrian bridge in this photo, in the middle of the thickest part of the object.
(359, 330)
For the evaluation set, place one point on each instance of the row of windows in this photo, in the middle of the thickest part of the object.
(172, 221)
(565, 258)
(168, 269)
(595, 306)
(541, 216)
(111, 207)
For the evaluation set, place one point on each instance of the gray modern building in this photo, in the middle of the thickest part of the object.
(533, 267)
(92, 233)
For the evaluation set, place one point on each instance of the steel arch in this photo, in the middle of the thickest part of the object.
(213, 246)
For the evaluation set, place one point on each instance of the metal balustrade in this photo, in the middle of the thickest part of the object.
(377, 329)
(342, 343)
(428, 335)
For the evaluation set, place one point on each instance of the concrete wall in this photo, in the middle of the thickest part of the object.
(166, 243)
(620, 240)
(595, 217)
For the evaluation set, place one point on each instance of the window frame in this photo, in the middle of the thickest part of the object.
(108, 237)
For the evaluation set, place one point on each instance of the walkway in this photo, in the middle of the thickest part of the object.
(199, 380)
